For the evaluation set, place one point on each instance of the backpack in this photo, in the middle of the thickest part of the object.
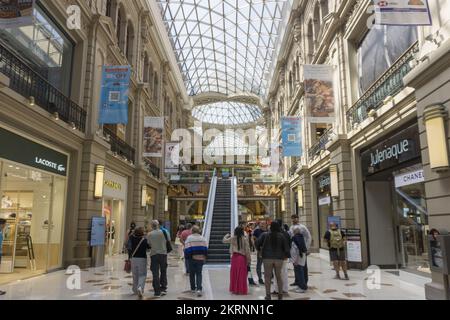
(336, 239)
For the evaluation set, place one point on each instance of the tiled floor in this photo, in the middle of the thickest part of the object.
(111, 283)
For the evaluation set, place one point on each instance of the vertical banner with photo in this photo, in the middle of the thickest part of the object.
(291, 136)
(16, 13)
(319, 93)
(114, 95)
(172, 163)
(402, 12)
(153, 136)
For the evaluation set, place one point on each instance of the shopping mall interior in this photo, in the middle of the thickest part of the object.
(224, 114)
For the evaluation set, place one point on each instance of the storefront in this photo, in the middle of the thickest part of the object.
(396, 212)
(324, 205)
(114, 210)
(33, 182)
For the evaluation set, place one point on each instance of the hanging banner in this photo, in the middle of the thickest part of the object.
(291, 136)
(16, 13)
(114, 95)
(402, 12)
(319, 93)
(172, 157)
(153, 136)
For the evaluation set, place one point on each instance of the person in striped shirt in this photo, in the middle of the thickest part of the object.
(196, 251)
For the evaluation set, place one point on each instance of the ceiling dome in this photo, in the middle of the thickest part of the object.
(227, 113)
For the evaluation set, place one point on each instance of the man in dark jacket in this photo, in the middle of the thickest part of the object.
(298, 258)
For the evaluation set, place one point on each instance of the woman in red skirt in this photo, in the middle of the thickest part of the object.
(240, 260)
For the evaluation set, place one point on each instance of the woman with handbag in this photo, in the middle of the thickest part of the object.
(138, 245)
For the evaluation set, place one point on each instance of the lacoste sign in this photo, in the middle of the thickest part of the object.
(16, 148)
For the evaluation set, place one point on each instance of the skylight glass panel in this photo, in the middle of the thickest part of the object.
(232, 39)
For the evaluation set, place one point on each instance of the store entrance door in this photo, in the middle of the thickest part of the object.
(411, 219)
(115, 226)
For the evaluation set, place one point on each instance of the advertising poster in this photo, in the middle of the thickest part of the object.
(172, 163)
(16, 13)
(98, 231)
(319, 93)
(291, 136)
(153, 136)
(402, 12)
(114, 95)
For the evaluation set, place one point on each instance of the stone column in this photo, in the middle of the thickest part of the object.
(340, 156)
(432, 84)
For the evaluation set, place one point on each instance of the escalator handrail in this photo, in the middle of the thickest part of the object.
(209, 209)
(234, 205)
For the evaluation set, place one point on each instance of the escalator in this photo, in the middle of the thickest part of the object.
(218, 252)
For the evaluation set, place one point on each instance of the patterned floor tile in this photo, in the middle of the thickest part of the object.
(354, 295)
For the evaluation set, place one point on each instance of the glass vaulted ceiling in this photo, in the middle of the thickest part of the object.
(227, 113)
(224, 46)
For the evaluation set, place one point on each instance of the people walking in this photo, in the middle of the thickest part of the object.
(184, 235)
(196, 250)
(259, 230)
(158, 254)
(298, 259)
(129, 233)
(308, 240)
(274, 248)
(336, 242)
(240, 260)
(178, 243)
(138, 245)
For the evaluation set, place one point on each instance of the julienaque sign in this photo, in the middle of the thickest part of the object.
(401, 147)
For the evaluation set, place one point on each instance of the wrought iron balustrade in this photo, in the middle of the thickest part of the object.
(28, 83)
(320, 145)
(388, 85)
(120, 147)
(152, 168)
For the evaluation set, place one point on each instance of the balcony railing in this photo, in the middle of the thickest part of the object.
(120, 147)
(28, 83)
(294, 168)
(388, 85)
(152, 168)
(320, 145)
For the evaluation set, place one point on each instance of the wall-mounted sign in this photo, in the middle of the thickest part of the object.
(399, 148)
(115, 186)
(409, 178)
(324, 201)
(402, 12)
(19, 149)
(324, 181)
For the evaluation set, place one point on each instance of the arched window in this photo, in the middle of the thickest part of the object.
(155, 88)
(130, 43)
(121, 28)
(109, 8)
(310, 37)
(316, 24)
(324, 8)
(145, 71)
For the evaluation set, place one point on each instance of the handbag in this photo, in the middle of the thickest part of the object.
(127, 267)
(168, 243)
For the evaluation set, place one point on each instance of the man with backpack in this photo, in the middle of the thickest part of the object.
(336, 242)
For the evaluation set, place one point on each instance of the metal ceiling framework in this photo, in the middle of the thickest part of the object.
(224, 47)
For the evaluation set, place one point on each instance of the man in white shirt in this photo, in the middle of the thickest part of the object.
(308, 240)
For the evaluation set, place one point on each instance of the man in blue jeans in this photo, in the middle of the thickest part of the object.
(158, 253)
(260, 229)
(196, 251)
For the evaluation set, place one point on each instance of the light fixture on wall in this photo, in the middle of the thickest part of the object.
(300, 197)
(434, 118)
(166, 204)
(56, 116)
(99, 180)
(283, 204)
(144, 196)
(334, 181)
(32, 101)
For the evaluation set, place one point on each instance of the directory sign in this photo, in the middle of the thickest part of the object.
(98, 231)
